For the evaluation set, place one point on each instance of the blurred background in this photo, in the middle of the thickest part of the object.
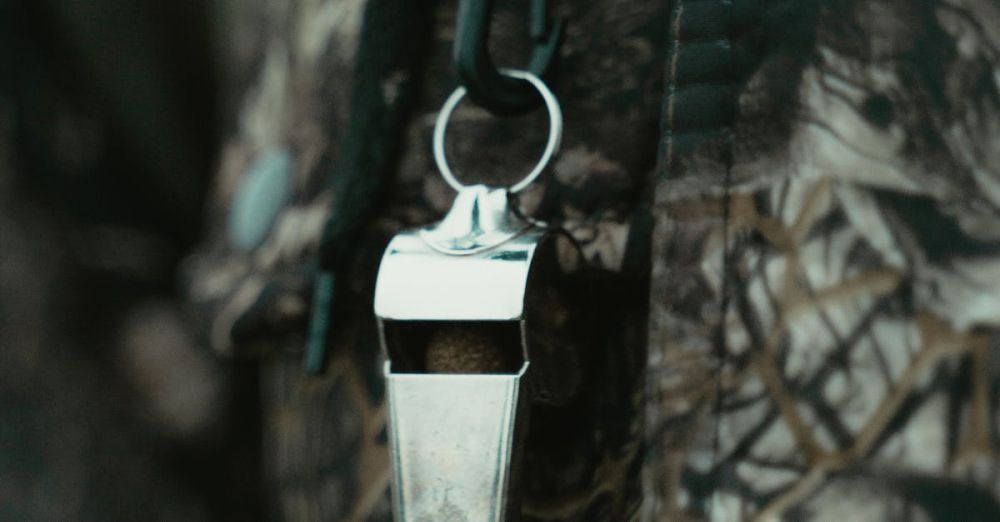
(118, 118)
(110, 116)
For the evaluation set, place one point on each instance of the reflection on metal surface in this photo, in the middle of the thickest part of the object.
(419, 281)
(480, 218)
(453, 438)
(551, 146)
(457, 437)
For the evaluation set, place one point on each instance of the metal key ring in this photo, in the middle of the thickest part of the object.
(555, 130)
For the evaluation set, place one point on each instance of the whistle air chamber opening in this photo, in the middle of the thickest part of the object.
(455, 347)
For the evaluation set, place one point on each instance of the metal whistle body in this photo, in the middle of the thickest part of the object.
(475, 317)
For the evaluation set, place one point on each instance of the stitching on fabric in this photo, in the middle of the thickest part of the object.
(676, 50)
(726, 261)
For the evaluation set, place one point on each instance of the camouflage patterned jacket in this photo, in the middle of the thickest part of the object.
(790, 206)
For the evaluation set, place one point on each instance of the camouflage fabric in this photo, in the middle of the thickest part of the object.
(824, 298)
(822, 312)
(349, 90)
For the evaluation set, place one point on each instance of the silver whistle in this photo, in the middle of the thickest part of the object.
(457, 305)
(475, 317)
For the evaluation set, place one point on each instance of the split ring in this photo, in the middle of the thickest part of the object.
(555, 130)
